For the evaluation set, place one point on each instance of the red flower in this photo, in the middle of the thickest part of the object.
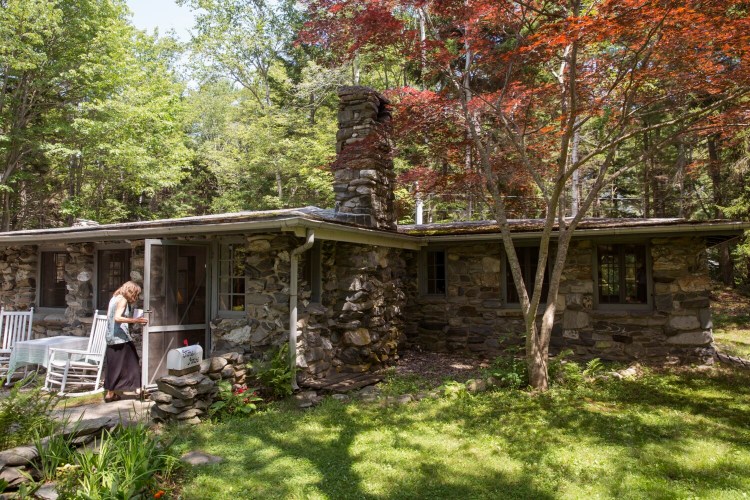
(159, 494)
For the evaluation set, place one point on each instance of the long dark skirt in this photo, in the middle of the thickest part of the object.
(122, 371)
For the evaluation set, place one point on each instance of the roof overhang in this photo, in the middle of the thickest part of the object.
(300, 221)
(298, 225)
(714, 232)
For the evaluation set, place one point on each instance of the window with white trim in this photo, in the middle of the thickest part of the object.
(232, 258)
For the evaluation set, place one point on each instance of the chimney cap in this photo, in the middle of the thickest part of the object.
(353, 90)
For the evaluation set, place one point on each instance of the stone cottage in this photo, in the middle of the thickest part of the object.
(355, 287)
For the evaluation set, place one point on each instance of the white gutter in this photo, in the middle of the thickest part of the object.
(293, 304)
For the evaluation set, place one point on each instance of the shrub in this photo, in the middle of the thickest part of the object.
(233, 401)
(275, 375)
(24, 414)
(509, 369)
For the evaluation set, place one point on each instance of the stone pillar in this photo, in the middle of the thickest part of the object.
(363, 171)
(79, 273)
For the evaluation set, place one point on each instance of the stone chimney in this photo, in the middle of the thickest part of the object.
(363, 171)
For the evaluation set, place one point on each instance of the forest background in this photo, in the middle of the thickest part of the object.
(101, 121)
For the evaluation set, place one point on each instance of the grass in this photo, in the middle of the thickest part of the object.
(675, 434)
(731, 316)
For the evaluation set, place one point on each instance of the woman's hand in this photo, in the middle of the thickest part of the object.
(140, 321)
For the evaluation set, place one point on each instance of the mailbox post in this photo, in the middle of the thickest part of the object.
(184, 360)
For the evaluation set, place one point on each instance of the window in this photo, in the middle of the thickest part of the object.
(622, 274)
(312, 272)
(435, 272)
(528, 258)
(113, 271)
(52, 288)
(232, 277)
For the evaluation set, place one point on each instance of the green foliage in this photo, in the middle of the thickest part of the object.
(127, 462)
(230, 401)
(24, 413)
(510, 369)
(276, 374)
(59, 450)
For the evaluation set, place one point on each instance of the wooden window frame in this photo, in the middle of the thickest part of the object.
(623, 306)
(506, 279)
(427, 276)
(42, 279)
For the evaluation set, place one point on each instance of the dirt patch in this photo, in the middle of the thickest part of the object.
(436, 367)
(730, 303)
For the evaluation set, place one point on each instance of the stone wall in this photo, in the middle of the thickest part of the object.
(363, 171)
(471, 315)
(265, 323)
(355, 326)
(678, 325)
(19, 269)
(359, 323)
(186, 399)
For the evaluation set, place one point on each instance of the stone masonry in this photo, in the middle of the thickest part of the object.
(187, 398)
(363, 171)
(471, 316)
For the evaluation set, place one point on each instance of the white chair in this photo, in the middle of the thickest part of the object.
(16, 327)
(77, 368)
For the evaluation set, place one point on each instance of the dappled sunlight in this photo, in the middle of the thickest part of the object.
(667, 435)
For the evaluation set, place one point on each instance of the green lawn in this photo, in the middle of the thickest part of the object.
(682, 434)
(732, 334)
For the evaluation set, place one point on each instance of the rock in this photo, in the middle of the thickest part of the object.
(341, 397)
(86, 427)
(239, 335)
(684, 322)
(48, 491)
(191, 413)
(206, 386)
(13, 476)
(476, 385)
(217, 364)
(181, 393)
(21, 455)
(359, 337)
(700, 337)
(182, 381)
(405, 398)
(200, 458)
(160, 397)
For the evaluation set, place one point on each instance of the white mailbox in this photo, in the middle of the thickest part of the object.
(184, 360)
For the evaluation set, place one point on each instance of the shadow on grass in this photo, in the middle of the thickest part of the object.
(622, 439)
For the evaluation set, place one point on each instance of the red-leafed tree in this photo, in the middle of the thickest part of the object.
(528, 78)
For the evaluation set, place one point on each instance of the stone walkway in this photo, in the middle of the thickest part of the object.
(127, 411)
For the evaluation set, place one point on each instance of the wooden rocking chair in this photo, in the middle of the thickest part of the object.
(16, 327)
(77, 368)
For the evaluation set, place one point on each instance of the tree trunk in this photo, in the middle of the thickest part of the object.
(726, 265)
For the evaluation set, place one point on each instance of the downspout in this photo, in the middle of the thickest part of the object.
(293, 304)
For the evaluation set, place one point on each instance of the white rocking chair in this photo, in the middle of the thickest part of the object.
(77, 368)
(16, 327)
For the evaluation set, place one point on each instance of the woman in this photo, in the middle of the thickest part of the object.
(123, 372)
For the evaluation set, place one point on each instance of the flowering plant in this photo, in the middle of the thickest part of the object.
(234, 401)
